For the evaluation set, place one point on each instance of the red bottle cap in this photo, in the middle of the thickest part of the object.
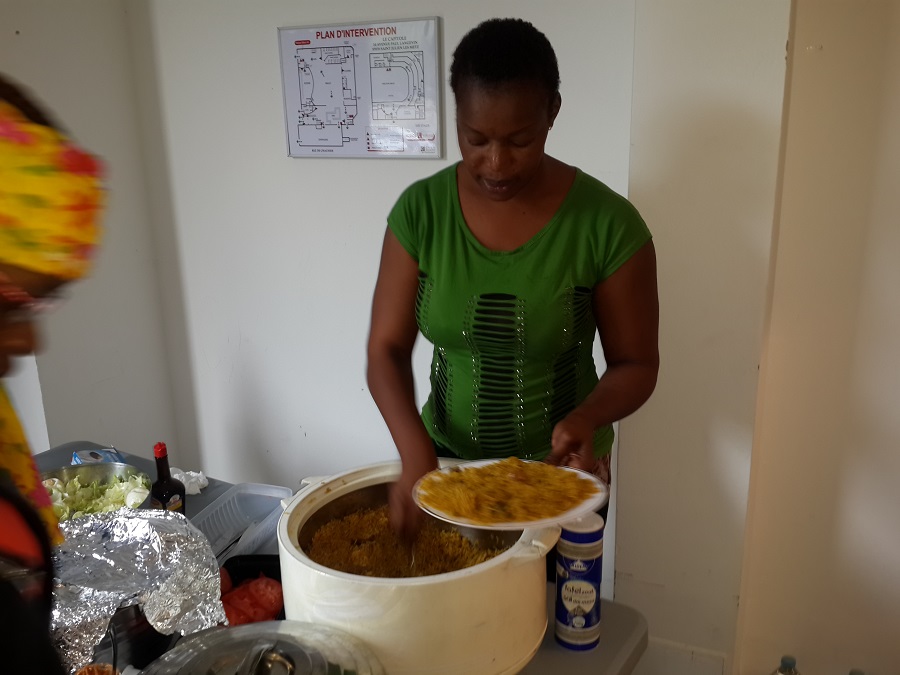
(160, 450)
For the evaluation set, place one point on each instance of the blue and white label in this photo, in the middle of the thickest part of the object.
(578, 601)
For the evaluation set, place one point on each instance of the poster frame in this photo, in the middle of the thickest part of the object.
(366, 127)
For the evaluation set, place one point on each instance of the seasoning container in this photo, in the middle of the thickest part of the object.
(579, 567)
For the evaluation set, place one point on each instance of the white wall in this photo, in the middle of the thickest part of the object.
(708, 86)
(103, 375)
(265, 346)
(24, 389)
(822, 552)
(278, 256)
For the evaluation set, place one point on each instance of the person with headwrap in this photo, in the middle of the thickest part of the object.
(51, 198)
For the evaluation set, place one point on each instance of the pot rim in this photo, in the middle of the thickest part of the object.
(532, 543)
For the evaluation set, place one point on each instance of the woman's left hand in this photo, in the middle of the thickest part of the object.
(572, 442)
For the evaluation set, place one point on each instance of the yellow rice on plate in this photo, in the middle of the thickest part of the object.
(507, 491)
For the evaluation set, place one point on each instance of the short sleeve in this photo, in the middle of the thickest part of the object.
(420, 209)
(402, 223)
(626, 234)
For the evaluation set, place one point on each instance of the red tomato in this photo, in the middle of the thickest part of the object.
(225, 580)
(234, 615)
(267, 593)
(242, 598)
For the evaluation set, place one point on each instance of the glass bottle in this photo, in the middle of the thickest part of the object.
(166, 492)
(788, 666)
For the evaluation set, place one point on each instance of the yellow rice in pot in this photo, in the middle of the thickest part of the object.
(364, 543)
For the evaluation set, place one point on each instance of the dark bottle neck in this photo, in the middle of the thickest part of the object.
(162, 468)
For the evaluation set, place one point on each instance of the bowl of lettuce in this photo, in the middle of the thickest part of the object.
(96, 488)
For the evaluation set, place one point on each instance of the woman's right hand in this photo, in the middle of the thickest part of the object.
(392, 335)
(405, 515)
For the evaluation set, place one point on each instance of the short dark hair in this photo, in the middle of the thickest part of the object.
(504, 51)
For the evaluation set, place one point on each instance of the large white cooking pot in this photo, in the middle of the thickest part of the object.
(488, 619)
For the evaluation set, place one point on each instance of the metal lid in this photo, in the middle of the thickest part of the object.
(270, 648)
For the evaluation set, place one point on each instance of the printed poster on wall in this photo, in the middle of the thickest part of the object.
(362, 90)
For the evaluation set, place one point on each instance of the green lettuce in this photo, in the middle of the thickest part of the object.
(71, 499)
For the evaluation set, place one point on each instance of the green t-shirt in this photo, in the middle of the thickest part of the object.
(512, 330)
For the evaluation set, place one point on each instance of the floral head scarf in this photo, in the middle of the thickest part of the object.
(51, 195)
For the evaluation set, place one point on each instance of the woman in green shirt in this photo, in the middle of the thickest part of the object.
(510, 262)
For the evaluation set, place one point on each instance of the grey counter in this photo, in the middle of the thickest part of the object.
(623, 639)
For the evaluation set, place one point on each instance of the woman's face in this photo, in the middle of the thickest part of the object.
(501, 132)
(18, 334)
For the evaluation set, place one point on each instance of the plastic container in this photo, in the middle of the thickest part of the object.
(488, 618)
(98, 456)
(788, 666)
(261, 538)
(246, 516)
(579, 571)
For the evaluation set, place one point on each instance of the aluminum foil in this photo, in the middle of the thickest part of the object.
(153, 558)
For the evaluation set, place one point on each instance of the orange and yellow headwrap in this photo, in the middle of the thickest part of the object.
(51, 196)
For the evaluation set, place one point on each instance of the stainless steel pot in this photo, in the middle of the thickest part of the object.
(376, 495)
(103, 472)
(488, 619)
(268, 648)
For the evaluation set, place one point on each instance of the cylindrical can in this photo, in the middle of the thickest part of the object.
(579, 569)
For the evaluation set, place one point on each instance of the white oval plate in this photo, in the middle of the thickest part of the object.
(592, 503)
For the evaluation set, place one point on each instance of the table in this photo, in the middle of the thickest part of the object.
(623, 639)
(624, 630)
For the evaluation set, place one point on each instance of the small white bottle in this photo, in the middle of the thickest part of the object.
(788, 666)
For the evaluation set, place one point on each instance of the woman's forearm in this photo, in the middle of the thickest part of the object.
(626, 308)
(622, 389)
(390, 378)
